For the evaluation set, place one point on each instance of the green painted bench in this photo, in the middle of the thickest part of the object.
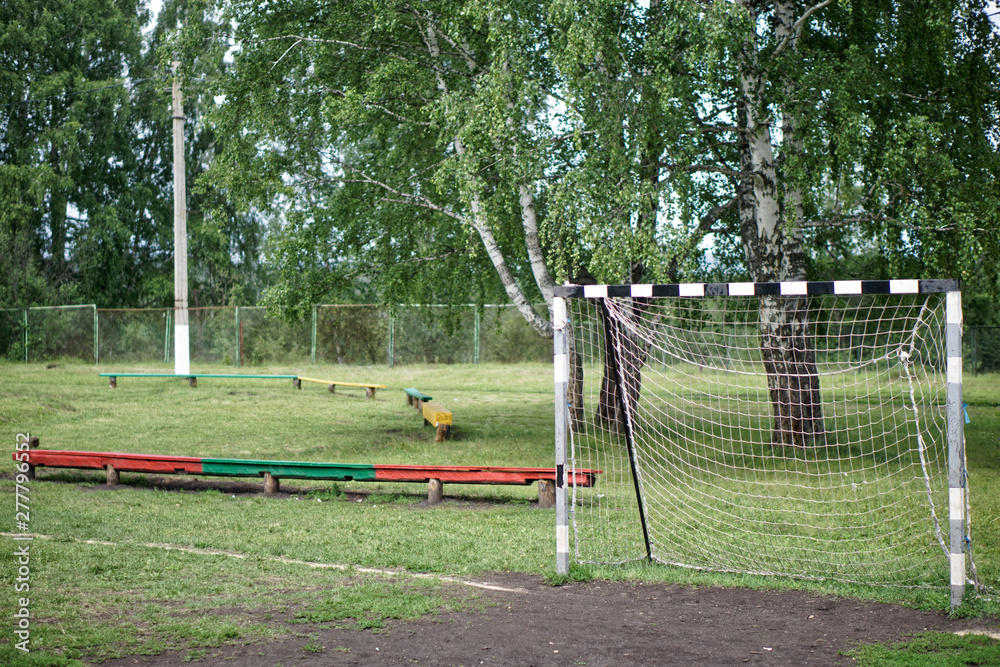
(192, 378)
(413, 397)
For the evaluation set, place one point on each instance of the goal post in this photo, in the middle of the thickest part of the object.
(811, 430)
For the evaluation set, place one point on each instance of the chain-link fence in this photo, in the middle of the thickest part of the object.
(982, 349)
(334, 334)
(246, 336)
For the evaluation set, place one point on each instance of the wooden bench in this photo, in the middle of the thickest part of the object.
(332, 385)
(192, 378)
(414, 397)
(273, 471)
(434, 414)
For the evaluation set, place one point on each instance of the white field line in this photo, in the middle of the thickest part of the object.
(289, 561)
(986, 633)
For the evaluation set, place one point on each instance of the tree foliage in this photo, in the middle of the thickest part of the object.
(70, 146)
(413, 149)
(85, 163)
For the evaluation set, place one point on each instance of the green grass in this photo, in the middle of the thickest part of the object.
(104, 585)
(930, 649)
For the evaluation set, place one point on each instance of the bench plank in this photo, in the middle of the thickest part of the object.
(415, 395)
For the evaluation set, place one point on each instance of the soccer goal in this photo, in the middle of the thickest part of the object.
(803, 429)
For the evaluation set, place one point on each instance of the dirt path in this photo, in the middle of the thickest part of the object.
(598, 624)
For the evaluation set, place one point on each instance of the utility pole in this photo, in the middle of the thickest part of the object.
(182, 357)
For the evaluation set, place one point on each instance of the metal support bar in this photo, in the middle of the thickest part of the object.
(166, 338)
(392, 335)
(475, 335)
(239, 339)
(97, 349)
(312, 339)
(610, 350)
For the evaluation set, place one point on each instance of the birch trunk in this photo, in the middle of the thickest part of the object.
(514, 292)
(481, 225)
(624, 358)
(772, 241)
(538, 268)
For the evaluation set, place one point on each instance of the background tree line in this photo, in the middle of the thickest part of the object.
(85, 163)
(486, 150)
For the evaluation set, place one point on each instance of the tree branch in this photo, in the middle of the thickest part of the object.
(793, 36)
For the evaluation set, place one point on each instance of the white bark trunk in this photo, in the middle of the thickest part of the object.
(482, 227)
(538, 268)
(773, 242)
(510, 285)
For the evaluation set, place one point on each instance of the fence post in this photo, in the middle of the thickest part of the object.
(25, 330)
(475, 335)
(392, 341)
(97, 340)
(166, 339)
(972, 346)
(239, 339)
(312, 343)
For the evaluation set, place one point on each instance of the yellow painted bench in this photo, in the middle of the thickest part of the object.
(434, 414)
(369, 388)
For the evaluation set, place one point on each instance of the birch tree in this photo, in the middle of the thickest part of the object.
(401, 140)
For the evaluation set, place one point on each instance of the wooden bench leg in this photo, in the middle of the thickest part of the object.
(369, 392)
(193, 382)
(33, 443)
(112, 382)
(546, 493)
(333, 388)
(434, 490)
(114, 478)
(270, 484)
(297, 383)
(442, 433)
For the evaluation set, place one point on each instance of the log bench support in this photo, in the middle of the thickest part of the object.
(435, 489)
(271, 484)
(546, 493)
(114, 477)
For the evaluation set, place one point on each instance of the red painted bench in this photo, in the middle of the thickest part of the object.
(272, 471)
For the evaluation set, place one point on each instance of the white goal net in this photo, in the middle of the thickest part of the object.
(793, 429)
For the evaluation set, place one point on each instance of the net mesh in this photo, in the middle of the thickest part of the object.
(795, 436)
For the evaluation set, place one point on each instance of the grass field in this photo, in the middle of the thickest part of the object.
(104, 585)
